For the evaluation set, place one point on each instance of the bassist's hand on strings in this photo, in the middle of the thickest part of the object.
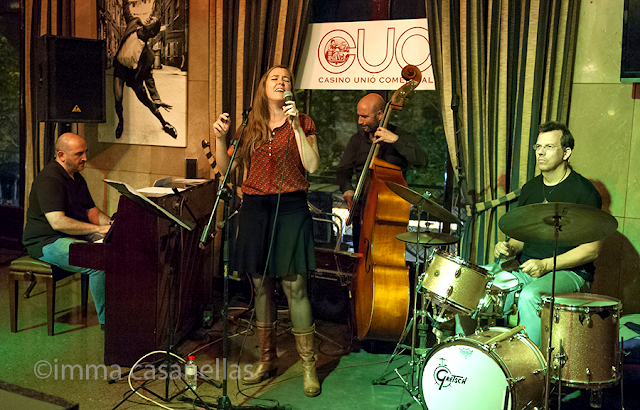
(348, 196)
(383, 134)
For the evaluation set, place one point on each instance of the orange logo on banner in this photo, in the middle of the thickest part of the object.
(76, 109)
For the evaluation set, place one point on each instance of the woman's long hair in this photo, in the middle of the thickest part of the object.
(258, 131)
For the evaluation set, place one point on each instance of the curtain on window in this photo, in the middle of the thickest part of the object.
(501, 68)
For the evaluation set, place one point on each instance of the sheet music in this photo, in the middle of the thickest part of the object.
(126, 190)
(158, 191)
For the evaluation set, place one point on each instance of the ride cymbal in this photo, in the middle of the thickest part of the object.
(427, 238)
(578, 223)
(423, 202)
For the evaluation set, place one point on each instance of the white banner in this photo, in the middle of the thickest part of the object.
(365, 55)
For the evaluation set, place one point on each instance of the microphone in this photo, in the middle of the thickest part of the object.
(288, 96)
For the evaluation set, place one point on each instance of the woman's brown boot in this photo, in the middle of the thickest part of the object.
(304, 343)
(268, 365)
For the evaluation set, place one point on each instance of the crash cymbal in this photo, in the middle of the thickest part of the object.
(579, 224)
(422, 201)
(427, 238)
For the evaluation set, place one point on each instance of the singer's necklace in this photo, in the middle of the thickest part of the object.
(554, 187)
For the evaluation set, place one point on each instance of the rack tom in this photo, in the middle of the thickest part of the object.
(453, 283)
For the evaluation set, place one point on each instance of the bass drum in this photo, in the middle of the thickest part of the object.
(467, 373)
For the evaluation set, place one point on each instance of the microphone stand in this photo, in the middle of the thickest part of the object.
(206, 236)
(224, 402)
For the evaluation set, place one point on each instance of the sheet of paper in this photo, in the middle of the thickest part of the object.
(155, 190)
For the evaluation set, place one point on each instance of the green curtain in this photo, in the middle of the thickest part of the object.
(501, 68)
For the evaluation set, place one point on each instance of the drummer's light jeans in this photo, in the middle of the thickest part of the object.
(57, 253)
(531, 297)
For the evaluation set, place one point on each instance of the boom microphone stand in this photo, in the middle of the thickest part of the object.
(224, 193)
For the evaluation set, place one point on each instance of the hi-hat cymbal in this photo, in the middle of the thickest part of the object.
(427, 238)
(422, 201)
(579, 224)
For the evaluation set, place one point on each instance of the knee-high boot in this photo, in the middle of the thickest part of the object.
(304, 344)
(268, 365)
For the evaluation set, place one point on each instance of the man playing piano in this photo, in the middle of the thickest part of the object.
(61, 212)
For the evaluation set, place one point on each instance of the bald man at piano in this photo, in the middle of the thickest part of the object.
(61, 212)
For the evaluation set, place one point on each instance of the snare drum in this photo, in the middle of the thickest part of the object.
(585, 338)
(451, 282)
(492, 305)
(467, 373)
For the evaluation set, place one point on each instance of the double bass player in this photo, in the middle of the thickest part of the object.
(397, 146)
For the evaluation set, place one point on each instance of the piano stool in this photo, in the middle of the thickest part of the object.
(26, 268)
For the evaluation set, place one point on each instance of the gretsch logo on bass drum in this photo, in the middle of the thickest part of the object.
(443, 377)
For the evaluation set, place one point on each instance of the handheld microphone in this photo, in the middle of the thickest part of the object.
(288, 96)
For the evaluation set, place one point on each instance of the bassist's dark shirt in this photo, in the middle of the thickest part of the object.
(406, 150)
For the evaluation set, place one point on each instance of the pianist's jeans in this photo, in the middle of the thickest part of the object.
(57, 253)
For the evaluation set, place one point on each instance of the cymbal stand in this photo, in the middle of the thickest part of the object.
(556, 223)
(412, 325)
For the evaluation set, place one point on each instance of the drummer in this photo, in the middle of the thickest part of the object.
(557, 182)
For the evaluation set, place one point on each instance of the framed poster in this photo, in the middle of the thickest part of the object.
(146, 74)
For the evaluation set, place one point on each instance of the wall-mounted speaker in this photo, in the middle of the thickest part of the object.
(71, 79)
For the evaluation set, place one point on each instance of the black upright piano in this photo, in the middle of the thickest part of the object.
(142, 251)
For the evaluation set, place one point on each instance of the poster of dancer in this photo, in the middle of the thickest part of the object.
(146, 75)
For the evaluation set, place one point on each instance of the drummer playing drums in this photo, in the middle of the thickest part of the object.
(557, 182)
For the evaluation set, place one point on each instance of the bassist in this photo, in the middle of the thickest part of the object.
(397, 146)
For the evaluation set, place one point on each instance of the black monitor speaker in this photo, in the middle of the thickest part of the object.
(630, 63)
(71, 79)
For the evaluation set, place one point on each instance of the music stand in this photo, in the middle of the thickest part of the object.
(175, 223)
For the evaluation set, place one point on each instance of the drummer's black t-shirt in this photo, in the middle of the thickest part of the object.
(575, 189)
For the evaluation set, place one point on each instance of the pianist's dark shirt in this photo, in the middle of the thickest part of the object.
(54, 190)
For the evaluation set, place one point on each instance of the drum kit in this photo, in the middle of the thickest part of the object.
(498, 367)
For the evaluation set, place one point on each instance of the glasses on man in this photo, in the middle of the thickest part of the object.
(545, 148)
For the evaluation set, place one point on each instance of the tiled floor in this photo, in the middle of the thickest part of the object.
(47, 364)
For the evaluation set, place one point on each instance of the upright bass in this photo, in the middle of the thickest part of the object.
(380, 287)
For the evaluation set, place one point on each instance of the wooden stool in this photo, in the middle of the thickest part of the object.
(26, 268)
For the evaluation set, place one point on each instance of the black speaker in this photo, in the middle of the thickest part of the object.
(191, 165)
(71, 79)
(329, 299)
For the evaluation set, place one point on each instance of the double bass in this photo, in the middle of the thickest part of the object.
(380, 286)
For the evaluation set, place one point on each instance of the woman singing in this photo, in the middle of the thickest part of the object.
(275, 227)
